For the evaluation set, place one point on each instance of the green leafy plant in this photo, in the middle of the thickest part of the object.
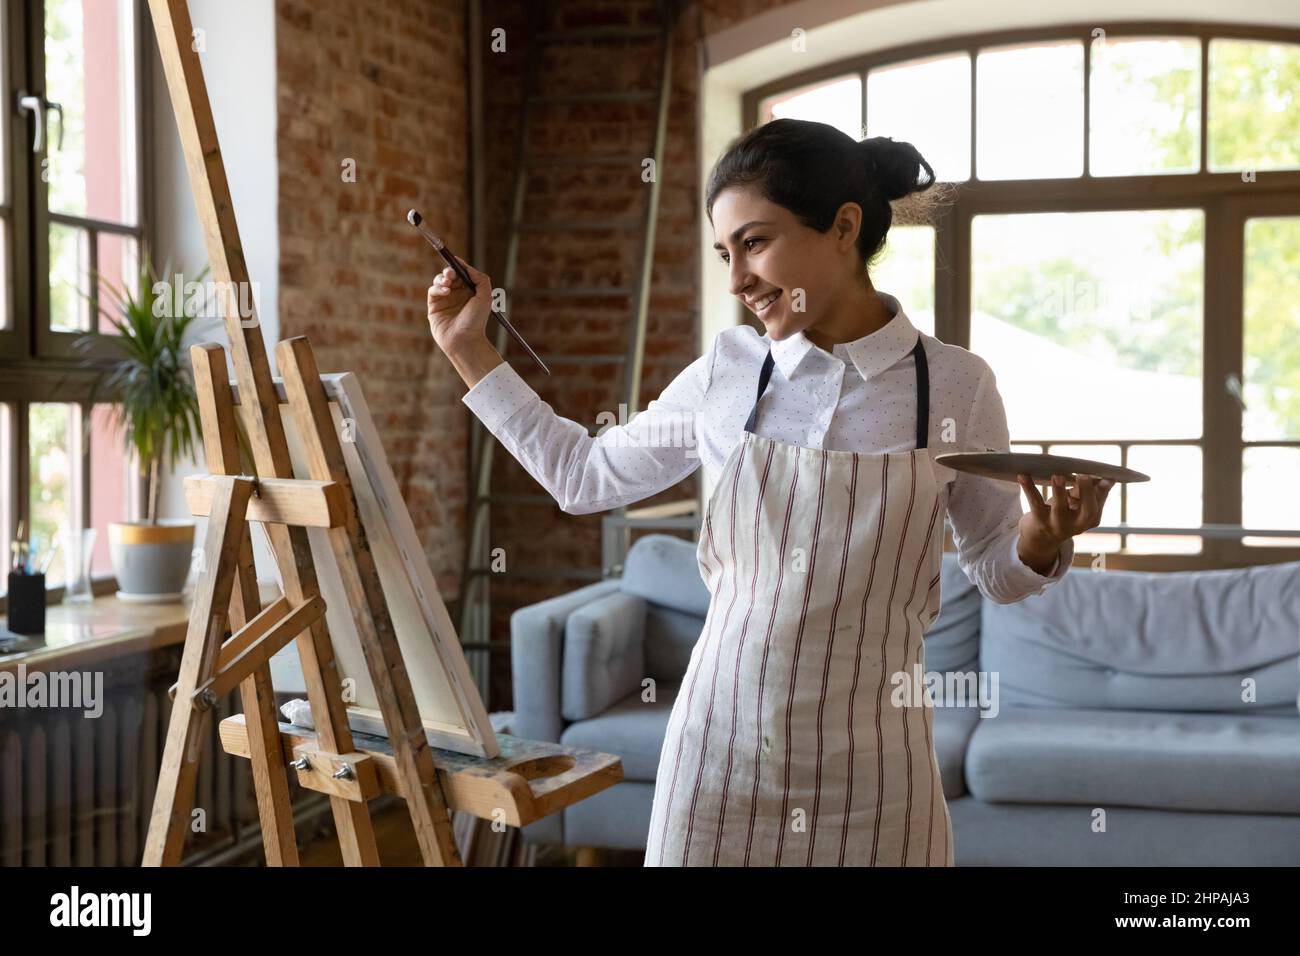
(150, 380)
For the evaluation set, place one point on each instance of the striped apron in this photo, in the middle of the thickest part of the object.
(802, 734)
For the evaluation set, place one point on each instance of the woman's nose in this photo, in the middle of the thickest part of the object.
(740, 278)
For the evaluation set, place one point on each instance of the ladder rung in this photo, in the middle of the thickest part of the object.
(582, 34)
(576, 292)
(586, 159)
(583, 225)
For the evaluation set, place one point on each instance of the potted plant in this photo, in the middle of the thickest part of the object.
(157, 411)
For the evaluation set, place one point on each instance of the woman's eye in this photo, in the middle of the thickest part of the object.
(752, 239)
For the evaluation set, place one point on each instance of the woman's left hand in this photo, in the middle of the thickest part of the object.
(1048, 525)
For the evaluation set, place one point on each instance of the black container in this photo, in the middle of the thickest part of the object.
(26, 603)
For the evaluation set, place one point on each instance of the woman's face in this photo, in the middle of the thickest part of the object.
(785, 273)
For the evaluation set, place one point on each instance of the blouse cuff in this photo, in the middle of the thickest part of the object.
(1038, 583)
(497, 396)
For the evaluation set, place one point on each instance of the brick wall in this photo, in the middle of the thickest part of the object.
(383, 87)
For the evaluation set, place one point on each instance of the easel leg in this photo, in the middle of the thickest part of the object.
(270, 780)
(174, 797)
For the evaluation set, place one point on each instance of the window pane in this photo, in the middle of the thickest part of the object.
(1146, 106)
(1269, 479)
(1254, 120)
(905, 270)
(1171, 499)
(55, 458)
(838, 103)
(107, 481)
(119, 272)
(925, 103)
(1084, 316)
(90, 71)
(1271, 347)
(69, 278)
(1029, 111)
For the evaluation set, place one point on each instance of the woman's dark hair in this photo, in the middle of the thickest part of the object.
(813, 168)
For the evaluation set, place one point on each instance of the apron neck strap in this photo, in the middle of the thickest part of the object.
(922, 393)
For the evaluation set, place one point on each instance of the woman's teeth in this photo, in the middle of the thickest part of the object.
(761, 305)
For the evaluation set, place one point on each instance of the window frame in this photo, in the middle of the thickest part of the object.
(1224, 198)
(36, 363)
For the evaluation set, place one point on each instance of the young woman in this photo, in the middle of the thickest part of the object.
(821, 544)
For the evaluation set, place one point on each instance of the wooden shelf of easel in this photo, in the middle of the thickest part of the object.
(530, 779)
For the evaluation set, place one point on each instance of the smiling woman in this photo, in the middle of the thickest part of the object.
(821, 544)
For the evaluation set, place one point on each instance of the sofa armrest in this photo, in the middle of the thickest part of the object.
(604, 654)
(537, 657)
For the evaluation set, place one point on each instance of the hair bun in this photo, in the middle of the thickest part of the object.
(895, 167)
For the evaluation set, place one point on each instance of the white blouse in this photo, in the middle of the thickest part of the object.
(700, 417)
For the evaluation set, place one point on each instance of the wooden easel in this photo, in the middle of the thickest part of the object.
(527, 781)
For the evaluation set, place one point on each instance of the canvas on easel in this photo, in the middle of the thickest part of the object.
(450, 705)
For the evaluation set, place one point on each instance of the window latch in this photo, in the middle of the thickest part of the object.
(37, 105)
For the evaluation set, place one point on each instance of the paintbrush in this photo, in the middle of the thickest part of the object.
(416, 220)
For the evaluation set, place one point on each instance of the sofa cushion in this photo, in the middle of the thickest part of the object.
(664, 569)
(670, 636)
(952, 730)
(1176, 641)
(632, 729)
(1182, 761)
(603, 654)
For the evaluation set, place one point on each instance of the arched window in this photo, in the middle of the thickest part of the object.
(1123, 249)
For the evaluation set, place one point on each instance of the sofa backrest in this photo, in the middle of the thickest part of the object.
(1185, 640)
(662, 569)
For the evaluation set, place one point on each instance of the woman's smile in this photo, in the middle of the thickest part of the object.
(761, 306)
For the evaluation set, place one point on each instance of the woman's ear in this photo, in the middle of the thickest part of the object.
(847, 224)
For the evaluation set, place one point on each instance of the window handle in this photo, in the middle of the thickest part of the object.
(37, 105)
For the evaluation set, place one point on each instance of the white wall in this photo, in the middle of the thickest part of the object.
(238, 60)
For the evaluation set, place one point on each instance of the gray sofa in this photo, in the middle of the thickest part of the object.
(1119, 718)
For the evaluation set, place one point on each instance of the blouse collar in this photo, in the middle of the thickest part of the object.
(870, 355)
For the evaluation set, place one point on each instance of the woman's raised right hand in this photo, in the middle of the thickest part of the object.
(455, 316)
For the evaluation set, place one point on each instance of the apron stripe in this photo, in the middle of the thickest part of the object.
(717, 662)
(830, 647)
(794, 668)
(884, 670)
(907, 708)
(740, 646)
(857, 661)
(762, 671)
(695, 672)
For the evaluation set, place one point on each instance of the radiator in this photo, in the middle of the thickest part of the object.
(76, 791)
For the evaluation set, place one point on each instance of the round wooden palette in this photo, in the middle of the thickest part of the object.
(1007, 466)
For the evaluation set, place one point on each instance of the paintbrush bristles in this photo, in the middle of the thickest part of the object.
(416, 220)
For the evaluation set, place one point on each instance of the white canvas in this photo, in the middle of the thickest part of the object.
(450, 705)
